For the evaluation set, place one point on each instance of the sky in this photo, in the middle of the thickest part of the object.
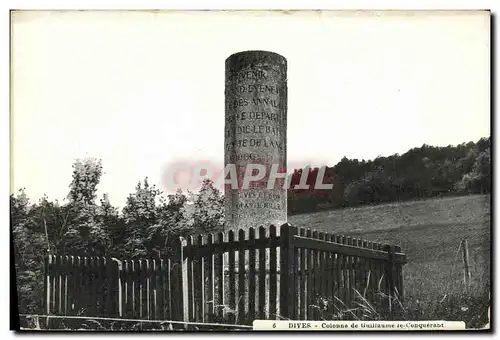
(142, 89)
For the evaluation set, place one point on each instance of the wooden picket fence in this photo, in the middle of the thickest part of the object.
(104, 287)
(233, 277)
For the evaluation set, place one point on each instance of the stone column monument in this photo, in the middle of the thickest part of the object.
(255, 133)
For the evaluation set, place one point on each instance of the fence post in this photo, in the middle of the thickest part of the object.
(465, 255)
(389, 273)
(120, 286)
(47, 288)
(45, 303)
(112, 289)
(177, 280)
(399, 274)
(288, 295)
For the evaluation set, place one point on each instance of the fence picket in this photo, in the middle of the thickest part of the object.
(45, 305)
(73, 294)
(55, 269)
(251, 275)
(262, 275)
(85, 285)
(54, 283)
(100, 276)
(126, 290)
(153, 291)
(322, 270)
(310, 276)
(349, 275)
(77, 285)
(232, 278)
(293, 262)
(147, 291)
(354, 275)
(88, 286)
(137, 288)
(316, 278)
(142, 290)
(327, 275)
(370, 276)
(331, 291)
(93, 285)
(363, 272)
(219, 277)
(177, 282)
(273, 284)
(288, 298)
(355, 278)
(389, 272)
(101, 285)
(162, 309)
(105, 283)
(302, 277)
(241, 277)
(399, 277)
(382, 276)
(198, 281)
(190, 278)
(343, 272)
(66, 277)
(209, 279)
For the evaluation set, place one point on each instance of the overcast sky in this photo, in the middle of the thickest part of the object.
(140, 89)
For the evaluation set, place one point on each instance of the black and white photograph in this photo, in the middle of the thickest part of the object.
(250, 170)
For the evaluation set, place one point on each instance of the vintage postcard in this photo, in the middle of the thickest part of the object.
(251, 170)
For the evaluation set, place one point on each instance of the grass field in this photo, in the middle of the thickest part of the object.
(430, 233)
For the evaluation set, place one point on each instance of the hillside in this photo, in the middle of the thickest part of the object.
(430, 233)
(463, 209)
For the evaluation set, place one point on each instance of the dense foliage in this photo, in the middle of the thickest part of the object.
(420, 173)
(83, 225)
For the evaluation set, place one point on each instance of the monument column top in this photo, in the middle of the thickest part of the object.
(254, 57)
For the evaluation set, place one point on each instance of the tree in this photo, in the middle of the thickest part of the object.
(478, 180)
(84, 233)
(482, 167)
(86, 176)
(174, 214)
(173, 222)
(29, 250)
(208, 213)
(140, 214)
(108, 216)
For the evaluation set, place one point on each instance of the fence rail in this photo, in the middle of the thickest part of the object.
(231, 277)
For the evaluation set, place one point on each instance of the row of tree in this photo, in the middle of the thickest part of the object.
(82, 224)
(420, 173)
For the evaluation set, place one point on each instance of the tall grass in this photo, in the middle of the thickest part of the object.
(470, 306)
